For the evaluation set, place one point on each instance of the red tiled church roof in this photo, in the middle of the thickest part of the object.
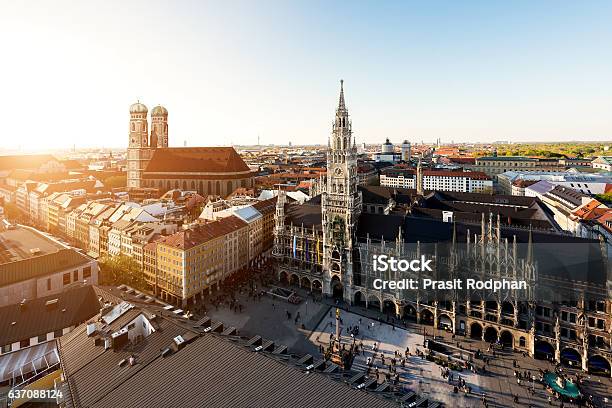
(196, 159)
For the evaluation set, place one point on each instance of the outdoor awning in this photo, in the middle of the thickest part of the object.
(39, 356)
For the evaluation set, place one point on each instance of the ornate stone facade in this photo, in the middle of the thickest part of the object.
(317, 246)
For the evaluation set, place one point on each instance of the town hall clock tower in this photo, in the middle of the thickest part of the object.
(340, 205)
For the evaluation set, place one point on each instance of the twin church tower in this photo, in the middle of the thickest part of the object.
(143, 141)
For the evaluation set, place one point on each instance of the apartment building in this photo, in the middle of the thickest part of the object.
(515, 182)
(494, 165)
(194, 261)
(59, 205)
(603, 163)
(259, 216)
(571, 209)
(440, 180)
(267, 210)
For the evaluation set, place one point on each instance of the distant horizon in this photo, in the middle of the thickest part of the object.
(9, 151)
(469, 71)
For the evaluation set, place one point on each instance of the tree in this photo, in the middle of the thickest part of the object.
(121, 269)
(13, 213)
(605, 198)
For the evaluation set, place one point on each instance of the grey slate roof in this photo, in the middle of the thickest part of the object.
(74, 306)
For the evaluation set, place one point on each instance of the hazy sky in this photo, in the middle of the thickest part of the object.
(229, 71)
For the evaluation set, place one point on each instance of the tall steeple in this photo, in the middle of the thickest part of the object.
(341, 201)
(341, 129)
(341, 103)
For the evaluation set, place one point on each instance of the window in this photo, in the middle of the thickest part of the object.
(49, 284)
(7, 348)
(66, 278)
(75, 275)
(24, 343)
(572, 317)
(564, 316)
(57, 334)
(42, 338)
(86, 272)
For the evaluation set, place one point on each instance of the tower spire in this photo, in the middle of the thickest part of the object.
(341, 103)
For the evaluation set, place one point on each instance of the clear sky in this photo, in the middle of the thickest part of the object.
(228, 71)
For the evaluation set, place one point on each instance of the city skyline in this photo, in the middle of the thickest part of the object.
(469, 73)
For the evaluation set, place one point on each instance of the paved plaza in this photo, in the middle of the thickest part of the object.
(419, 375)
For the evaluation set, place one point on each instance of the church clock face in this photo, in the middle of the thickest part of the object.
(338, 171)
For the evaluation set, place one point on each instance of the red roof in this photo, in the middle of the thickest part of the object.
(200, 234)
(590, 210)
(304, 184)
(524, 183)
(267, 206)
(243, 192)
(196, 159)
(475, 175)
(606, 220)
(463, 160)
